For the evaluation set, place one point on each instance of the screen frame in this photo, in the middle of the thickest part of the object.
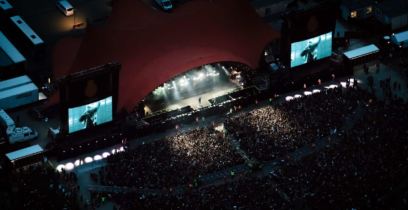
(64, 90)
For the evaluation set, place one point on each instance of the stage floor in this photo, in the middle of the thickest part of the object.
(152, 107)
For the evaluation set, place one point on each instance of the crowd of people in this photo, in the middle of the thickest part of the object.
(246, 193)
(274, 130)
(171, 161)
(40, 187)
(364, 168)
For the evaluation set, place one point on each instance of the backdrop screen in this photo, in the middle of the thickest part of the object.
(90, 115)
(310, 50)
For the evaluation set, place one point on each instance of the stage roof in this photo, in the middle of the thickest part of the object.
(154, 46)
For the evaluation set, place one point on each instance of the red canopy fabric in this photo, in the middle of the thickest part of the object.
(154, 46)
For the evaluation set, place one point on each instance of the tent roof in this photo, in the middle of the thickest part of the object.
(154, 46)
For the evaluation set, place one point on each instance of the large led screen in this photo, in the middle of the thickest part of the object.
(310, 50)
(90, 115)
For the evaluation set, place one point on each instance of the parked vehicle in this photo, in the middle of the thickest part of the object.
(15, 134)
(166, 5)
(65, 7)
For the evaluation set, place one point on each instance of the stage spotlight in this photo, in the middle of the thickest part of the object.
(316, 91)
(88, 160)
(352, 81)
(77, 163)
(331, 86)
(158, 91)
(60, 167)
(105, 154)
(307, 93)
(69, 166)
(211, 71)
(289, 98)
(199, 76)
(343, 84)
(298, 96)
(97, 157)
(183, 81)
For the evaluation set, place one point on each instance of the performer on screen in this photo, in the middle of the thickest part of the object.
(88, 117)
(310, 52)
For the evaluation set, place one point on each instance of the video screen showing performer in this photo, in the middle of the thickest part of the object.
(90, 115)
(310, 50)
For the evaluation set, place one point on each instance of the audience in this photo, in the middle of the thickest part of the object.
(41, 187)
(362, 169)
(275, 130)
(171, 161)
(357, 171)
(245, 193)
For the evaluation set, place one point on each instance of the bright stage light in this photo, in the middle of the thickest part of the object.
(183, 81)
(352, 81)
(331, 86)
(97, 157)
(69, 166)
(60, 167)
(210, 71)
(289, 98)
(307, 93)
(298, 96)
(343, 84)
(199, 76)
(77, 162)
(159, 91)
(88, 160)
(316, 91)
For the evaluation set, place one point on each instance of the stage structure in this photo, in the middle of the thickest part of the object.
(89, 99)
(306, 46)
(153, 52)
(307, 36)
